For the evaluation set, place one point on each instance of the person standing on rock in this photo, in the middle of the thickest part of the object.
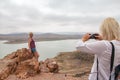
(102, 49)
(32, 46)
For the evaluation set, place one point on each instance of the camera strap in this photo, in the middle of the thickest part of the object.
(97, 68)
(111, 61)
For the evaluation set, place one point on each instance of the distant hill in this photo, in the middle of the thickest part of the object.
(22, 37)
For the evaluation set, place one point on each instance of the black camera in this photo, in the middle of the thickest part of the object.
(93, 36)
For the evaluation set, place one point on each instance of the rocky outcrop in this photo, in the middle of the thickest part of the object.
(23, 64)
(49, 65)
(7, 67)
(27, 68)
(72, 66)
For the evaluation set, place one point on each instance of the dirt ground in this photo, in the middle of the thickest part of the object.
(50, 76)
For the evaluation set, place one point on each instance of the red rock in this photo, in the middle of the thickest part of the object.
(6, 67)
(44, 68)
(52, 65)
(9, 63)
(23, 64)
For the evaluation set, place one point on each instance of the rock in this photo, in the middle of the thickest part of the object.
(19, 55)
(49, 65)
(23, 54)
(23, 64)
(9, 63)
(11, 56)
(27, 68)
(6, 67)
(52, 65)
(44, 68)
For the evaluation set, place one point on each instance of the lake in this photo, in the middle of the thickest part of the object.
(46, 49)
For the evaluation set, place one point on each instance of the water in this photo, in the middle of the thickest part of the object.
(46, 49)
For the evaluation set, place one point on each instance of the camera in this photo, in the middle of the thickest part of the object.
(93, 36)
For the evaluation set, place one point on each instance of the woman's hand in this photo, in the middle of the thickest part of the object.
(86, 37)
(30, 51)
(99, 37)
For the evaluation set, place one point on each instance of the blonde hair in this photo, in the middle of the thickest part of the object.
(110, 29)
(30, 34)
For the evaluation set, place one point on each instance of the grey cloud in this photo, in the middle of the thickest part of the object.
(18, 15)
(84, 6)
(89, 8)
(68, 20)
(63, 13)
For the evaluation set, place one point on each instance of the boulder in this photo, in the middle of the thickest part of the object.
(9, 63)
(49, 65)
(23, 64)
(7, 67)
(27, 68)
(43, 67)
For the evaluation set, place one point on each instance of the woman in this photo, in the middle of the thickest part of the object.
(109, 32)
(31, 45)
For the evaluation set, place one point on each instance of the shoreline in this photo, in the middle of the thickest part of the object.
(21, 42)
(23, 38)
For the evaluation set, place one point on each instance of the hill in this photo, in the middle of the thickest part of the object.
(23, 37)
(75, 63)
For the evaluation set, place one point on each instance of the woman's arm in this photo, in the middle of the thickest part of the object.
(29, 41)
(94, 47)
(88, 35)
(97, 47)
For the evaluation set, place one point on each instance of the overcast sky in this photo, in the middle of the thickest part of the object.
(56, 15)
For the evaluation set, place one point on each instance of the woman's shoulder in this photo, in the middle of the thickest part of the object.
(30, 39)
(105, 42)
(101, 42)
